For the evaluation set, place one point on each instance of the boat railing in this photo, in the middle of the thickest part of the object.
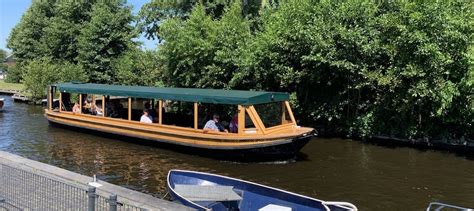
(339, 203)
(437, 206)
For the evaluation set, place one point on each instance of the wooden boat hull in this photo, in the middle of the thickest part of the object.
(253, 196)
(273, 148)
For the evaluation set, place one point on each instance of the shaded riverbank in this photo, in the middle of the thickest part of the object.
(370, 176)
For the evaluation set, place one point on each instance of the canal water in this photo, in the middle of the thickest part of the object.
(370, 176)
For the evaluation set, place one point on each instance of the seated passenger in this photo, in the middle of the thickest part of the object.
(86, 107)
(76, 109)
(234, 124)
(145, 117)
(95, 110)
(151, 112)
(214, 125)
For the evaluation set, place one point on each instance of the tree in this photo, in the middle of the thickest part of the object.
(153, 14)
(59, 40)
(24, 40)
(189, 48)
(47, 29)
(40, 73)
(137, 67)
(360, 68)
(106, 37)
(202, 52)
(3, 56)
(353, 68)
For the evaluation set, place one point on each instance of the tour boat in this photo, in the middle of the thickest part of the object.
(204, 191)
(2, 101)
(264, 125)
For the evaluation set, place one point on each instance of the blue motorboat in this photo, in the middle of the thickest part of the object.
(204, 191)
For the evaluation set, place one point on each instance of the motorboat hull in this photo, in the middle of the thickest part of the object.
(253, 196)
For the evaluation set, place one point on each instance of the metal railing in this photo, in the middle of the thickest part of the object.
(438, 206)
(346, 205)
(30, 190)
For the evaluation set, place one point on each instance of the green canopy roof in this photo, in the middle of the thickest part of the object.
(217, 96)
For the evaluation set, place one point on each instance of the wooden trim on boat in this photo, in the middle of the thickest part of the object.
(283, 113)
(153, 127)
(129, 109)
(174, 134)
(278, 128)
(103, 105)
(290, 112)
(256, 119)
(50, 98)
(60, 102)
(160, 112)
(241, 120)
(80, 103)
(195, 115)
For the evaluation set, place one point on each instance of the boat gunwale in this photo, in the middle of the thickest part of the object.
(207, 145)
(191, 132)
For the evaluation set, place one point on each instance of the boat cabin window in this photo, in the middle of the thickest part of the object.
(66, 104)
(249, 126)
(141, 104)
(178, 113)
(270, 113)
(92, 104)
(286, 118)
(228, 115)
(116, 107)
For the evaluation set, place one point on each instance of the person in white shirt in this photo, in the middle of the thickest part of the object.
(214, 125)
(145, 117)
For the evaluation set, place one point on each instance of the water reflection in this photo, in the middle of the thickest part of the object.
(372, 177)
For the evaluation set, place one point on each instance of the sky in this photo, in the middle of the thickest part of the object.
(12, 10)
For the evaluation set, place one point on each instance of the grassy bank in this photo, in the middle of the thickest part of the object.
(11, 86)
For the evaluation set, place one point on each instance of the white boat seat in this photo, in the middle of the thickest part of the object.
(274, 207)
(207, 192)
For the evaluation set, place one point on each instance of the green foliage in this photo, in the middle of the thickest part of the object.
(38, 75)
(154, 13)
(13, 74)
(25, 37)
(59, 40)
(91, 33)
(43, 72)
(3, 55)
(202, 52)
(392, 68)
(104, 38)
(137, 67)
(356, 68)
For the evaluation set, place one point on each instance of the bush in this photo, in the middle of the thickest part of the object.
(40, 73)
(358, 68)
(364, 68)
(13, 74)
